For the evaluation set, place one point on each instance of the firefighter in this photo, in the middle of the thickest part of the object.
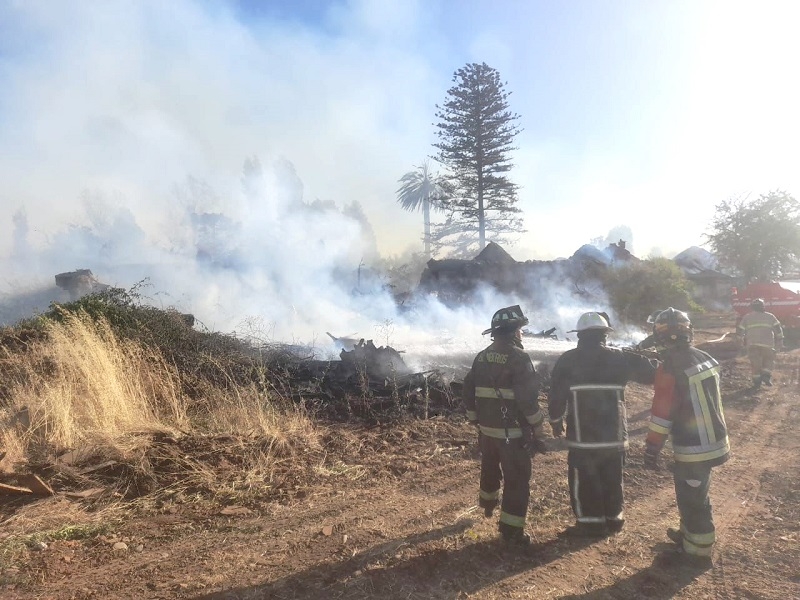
(501, 397)
(763, 336)
(588, 389)
(687, 405)
(649, 343)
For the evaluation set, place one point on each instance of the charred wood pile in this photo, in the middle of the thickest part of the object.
(549, 334)
(368, 383)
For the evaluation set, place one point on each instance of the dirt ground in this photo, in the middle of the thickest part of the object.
(399, 519)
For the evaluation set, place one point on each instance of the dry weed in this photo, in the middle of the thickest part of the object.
(83, 386)
(119, 406)
(50, 520)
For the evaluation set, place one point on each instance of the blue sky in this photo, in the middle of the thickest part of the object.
(638, 113)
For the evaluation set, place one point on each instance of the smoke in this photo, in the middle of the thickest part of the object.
(256, 260)
(166, 147)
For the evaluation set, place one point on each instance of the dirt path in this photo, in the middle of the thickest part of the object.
(419, 535)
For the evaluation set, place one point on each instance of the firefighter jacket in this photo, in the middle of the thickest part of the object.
(760, 329)
(501, 392)
(588, 388)
(687, 405)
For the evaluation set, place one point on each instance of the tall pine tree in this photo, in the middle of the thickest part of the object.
(476, 133)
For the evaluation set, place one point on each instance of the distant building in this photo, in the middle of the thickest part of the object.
(455, 281)
(711, 287)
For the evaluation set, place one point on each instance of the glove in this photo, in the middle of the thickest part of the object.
(538, 446)
(651, 453)
(532, 440)
(558, 428)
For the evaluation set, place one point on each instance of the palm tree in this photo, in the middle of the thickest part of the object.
(422, 189)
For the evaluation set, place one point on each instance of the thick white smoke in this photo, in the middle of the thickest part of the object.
(144, 141)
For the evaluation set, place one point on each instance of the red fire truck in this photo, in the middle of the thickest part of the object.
(781, 298)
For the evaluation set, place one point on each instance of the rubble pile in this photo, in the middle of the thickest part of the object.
(370, 383)
(79, 283)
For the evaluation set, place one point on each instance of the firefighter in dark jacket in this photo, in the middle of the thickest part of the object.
(501, 397)
(687, 405)
(588, 389)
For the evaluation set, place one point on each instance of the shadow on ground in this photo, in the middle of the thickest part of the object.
(432, 572)
(661, 580)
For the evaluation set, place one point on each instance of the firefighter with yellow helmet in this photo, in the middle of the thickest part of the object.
(687, 405)
(501, 398)
(763, 336)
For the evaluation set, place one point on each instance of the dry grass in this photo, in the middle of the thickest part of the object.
(82, 388)
(249, 411)
(166, 434)
(49, 521)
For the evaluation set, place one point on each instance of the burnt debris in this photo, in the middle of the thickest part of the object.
(368, 383)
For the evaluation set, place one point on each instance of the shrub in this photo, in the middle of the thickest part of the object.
(636, 290)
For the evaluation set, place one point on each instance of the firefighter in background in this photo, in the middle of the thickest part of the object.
(649, 343)
(687, 404)
(588, 389)
(763, 336)
(501, 397)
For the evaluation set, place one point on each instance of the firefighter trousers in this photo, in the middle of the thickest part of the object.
(510, 463)
(692, 483)
(761, 359)
(595, 487)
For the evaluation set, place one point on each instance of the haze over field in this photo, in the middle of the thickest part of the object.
(125, 128)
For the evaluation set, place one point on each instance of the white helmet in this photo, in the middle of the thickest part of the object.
(591, 320)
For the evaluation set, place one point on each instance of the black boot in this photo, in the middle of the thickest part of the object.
(516, 539)
(766, 378)
(488, 507)
(675, 535)
(587, 530)
(615, 525)
(756, 383)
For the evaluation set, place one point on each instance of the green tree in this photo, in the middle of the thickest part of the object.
(422, 190)
(476, 133)
(757, 238)
(637, 289)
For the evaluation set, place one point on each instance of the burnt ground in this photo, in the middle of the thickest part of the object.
(398, 519)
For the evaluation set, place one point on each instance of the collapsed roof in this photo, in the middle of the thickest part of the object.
(454, 280)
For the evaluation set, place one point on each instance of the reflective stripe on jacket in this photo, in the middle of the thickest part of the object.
(588, 388)
(687, 405)
(760, 329)
(501, 392)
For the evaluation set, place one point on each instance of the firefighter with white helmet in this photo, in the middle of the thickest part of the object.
(687, 405)
(762, 335)
(588, 390)
(501, 398)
